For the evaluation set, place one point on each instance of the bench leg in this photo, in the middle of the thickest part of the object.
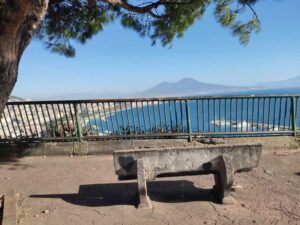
(142, 185)
(224, 180)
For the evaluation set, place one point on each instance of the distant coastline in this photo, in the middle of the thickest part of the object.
(186, 87)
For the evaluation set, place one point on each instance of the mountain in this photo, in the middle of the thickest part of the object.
(287, 83)
(187, 87)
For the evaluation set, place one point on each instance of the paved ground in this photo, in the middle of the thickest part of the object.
(85, 191)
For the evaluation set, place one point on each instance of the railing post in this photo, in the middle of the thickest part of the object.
(78, 126)
(188, 118)
(293, 112)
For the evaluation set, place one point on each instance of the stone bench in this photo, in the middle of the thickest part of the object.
(223, 161)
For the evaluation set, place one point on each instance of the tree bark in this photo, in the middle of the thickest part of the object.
(18, 21)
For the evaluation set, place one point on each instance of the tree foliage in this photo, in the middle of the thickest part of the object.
(162, 20)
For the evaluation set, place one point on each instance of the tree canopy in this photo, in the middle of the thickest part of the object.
(161, 20)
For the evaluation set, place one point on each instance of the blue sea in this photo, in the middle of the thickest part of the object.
(220, 115)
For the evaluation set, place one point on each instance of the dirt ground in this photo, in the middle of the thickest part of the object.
(85, 191)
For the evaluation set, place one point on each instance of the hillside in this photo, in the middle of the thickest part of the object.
(13, 98)
(287, 83)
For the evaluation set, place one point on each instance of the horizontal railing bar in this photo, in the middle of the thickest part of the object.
(153, 135)
(151, 99)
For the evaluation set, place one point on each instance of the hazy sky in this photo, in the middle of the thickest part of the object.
(118, 60)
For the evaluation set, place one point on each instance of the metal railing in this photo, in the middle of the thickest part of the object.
(150, 118)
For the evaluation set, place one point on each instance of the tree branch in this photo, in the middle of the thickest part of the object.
(132, 8)
(145, 9)
(253, 11)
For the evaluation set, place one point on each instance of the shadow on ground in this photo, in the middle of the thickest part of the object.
(10, 155)
(12, 162)
(97, 195)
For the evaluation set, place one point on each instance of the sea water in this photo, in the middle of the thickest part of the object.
(231, 115)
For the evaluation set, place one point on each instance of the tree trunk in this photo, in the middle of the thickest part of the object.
(18, 20)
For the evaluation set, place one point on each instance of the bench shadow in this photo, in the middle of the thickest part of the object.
(110, 194)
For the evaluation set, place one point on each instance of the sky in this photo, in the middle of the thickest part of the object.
(118, 60)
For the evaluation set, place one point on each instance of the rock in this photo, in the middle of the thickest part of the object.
(213, 141)
(203, 140)
(269, 172)
(47, 211)
(206, 140)
(218, 141)
(229, 200)
(290, 181)
(36, 215)
(236, 187)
